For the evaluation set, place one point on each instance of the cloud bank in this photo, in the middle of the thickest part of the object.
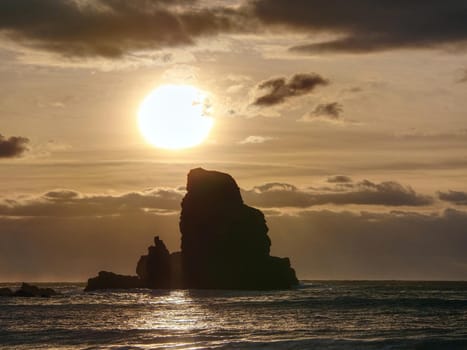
(389, 193)
(321, 244)
(341, 191)
(395, 245)
(112, 28)
(69, 203)
(68, 235)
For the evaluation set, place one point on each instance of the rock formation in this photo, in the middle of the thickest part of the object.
(157, 270)
(110, 280)
(28, 290)
(6, 292)
(225, 242)
(154, 269)
(224, 245)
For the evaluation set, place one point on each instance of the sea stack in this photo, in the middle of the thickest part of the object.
(224, 241)
(224, 245)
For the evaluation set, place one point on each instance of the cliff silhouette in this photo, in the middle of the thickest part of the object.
(224, 245)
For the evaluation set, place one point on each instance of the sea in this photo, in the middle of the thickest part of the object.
(315, 315)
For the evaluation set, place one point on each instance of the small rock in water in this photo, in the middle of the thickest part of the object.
(28, 290)
(110, 280)
(6, 292)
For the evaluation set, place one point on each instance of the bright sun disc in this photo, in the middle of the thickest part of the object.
(175, 117)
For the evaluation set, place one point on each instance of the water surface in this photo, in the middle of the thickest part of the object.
(316, 315)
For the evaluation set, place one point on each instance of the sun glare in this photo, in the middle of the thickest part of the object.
(175, 117)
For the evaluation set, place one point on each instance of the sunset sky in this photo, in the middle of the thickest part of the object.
(345, 122)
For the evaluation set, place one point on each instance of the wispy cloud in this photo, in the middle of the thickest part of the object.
(255, 139)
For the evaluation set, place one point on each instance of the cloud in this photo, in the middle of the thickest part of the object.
(110, 28)
(364, 26)
(69, 203)
(274, 186)
(322, 244)
(454, 197)
(12, 147)
(327, 244)
(62, 195)
(68, 235)
(255, 140)
(113, 28)
(339, 179)
(74, 248)
(329, 110)
(325, 111)
(365, 192)
(280, 90)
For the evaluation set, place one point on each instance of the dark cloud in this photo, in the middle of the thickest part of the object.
(362, 193)
(73, 248)
(110, 28)
(59, 195)
(279, 89)
(328, 110)
(367, 245)
(339, 179)
(454, 197)
(321, 244)
(369, 25)
(103, 232)
(14, 146)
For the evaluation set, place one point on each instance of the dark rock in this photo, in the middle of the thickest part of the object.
(225, 242)
(28, 290)
(225, 245)
(176, 271)
(154, 269)
(110, 280)
(6, 292)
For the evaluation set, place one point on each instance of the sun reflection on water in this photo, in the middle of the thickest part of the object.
(175, 310)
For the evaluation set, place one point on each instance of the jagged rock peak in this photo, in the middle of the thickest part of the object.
(159, 248)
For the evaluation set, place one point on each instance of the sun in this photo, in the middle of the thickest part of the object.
(175, 117)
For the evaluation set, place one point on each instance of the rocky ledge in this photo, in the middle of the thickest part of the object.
(224, 245)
